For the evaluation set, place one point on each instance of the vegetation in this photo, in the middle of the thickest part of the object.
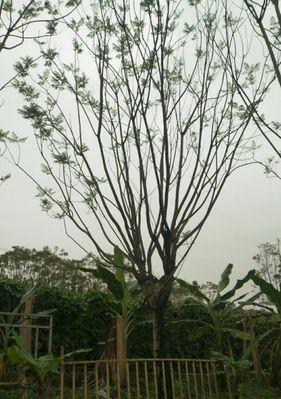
(221, 310)
(84, 319)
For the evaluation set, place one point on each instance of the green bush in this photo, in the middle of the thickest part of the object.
(10, 294)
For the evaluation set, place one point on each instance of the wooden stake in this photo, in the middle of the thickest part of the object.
(25, 330)
(121, 348)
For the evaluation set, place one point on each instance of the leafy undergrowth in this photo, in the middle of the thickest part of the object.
(245, 391)
(253, 390)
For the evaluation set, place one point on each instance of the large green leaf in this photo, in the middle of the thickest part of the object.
(254, 342)
(13, 356)
(40, 367)
(29, 294)
(118, 257)
(46, 365)
(19, 355)
(242, 364)
(224, 281)
(239, 284)
(218, 303)
(197, 333)
(109, 278)
(268, 289)
(94, 272)
(77, 352)
(44, 313)
(238, 334)
(134, 287)
(112, 282)
(192, 289)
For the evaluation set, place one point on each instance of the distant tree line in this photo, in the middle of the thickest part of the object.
(50, 267)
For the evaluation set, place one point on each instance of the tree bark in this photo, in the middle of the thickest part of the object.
(159, 343)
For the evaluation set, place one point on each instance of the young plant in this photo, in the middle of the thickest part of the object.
(121, 290)
(219, 308)
(242, 364)
(274, 297)
(7, 331)
(35, 370)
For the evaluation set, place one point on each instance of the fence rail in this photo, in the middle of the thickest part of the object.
(144, 379)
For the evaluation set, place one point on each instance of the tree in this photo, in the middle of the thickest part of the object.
(269, 262)
(50, 267)
(139, 145)
(22, 21)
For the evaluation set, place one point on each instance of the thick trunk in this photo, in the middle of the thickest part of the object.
(157, 300)
(159, 344)
(158, 312)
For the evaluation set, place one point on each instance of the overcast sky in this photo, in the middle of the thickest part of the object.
(247, 213)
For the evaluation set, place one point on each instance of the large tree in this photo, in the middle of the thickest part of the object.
(268, 260)
(139, 133)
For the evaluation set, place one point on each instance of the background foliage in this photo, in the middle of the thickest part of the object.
(84, 319)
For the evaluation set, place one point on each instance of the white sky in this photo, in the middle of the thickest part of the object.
(247, 213)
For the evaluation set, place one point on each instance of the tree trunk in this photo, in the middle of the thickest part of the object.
(158, 306)
(159, 344)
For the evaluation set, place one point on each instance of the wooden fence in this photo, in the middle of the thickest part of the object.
(144, 379)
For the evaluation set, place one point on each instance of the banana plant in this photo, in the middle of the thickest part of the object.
(220, 308)
(274, 297)
(35, 370)
(239, 365)
(125, 294)
(7, 331)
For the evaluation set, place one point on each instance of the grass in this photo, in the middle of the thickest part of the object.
(249, 390)
(252, 390)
